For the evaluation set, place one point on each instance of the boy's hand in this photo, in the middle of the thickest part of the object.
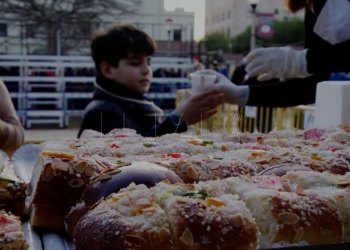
(201, 106)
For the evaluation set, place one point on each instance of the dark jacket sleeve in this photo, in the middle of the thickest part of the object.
(167, 127)
(333, 58)
(285, 94)
(101, 121)
(238, 75)
(104, 117)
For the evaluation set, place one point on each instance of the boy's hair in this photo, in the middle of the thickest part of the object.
(116, 41)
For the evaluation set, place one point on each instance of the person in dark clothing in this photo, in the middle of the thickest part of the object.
(322, 55)
(264, 123)
(239, 74)
(160, 73)
(122, 56)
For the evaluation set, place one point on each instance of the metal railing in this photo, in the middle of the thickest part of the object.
(49, 95)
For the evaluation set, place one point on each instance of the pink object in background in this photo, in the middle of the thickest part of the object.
(266, 25)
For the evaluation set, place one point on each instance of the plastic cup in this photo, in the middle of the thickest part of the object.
(200, 83)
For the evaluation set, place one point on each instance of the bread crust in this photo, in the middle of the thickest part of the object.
(11, 236)
(197, 225)
(138, 173)
(194, 162)
(174, 222)
(13, 199)
(129, 220)
(336, 186)
(285, 216)
(13, 193)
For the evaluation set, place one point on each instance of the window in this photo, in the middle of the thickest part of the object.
(228, 32)
(276, 11)
(137, 2)
(223, 17)
(213, 19)
(3, 29)
(177, 35)
(228, 14)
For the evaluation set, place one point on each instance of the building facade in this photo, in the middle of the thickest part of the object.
(161, 25)
(232, 17)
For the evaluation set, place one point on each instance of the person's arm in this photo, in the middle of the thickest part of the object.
(282, 94)
(104, 122)
(334, 58)
(285, 94)
(238, 75)
(11, 130)
(189, 111)
(174, 123)
(101, 120)
(267, 63)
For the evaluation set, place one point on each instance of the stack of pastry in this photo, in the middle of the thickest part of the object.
(234, 213)
(221, 179)
(13, 208)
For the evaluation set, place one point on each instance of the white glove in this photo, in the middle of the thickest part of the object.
(233, 94)
(268, 63)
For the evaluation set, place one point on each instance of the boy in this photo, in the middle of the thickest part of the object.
(122, 56)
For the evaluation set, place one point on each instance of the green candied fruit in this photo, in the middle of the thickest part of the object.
(192, 194)
(218, 158)
(166, 196)
(4, 183)
(208, 142)
(215, 157)
(203, 195)
(149, 145)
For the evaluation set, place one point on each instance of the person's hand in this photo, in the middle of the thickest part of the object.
(197, 107)
(233, 94)
(268, 63)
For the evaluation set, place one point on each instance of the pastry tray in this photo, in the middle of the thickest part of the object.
(333, 246)
(38, 239)
(23, 162)
(45, 240)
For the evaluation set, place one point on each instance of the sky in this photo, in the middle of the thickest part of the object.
(196, 6)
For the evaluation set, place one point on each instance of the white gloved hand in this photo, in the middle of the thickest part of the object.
(268, 63)
(233, 94)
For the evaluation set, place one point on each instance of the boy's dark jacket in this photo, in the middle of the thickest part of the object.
(116, 106)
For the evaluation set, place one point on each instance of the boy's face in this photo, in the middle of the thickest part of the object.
(135, 72)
